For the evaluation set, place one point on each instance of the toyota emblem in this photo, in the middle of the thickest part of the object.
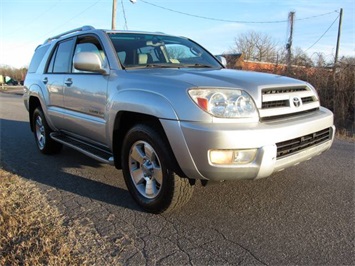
(297, 101)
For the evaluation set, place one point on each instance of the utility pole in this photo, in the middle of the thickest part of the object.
(114, 9)
(338, 40)
(336, 61)
(291, 16)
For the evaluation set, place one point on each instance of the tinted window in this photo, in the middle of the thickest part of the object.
(61, 58)
(149, 50)
(37, 58)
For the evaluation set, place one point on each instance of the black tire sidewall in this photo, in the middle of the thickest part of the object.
(50, 145)
(149, 135)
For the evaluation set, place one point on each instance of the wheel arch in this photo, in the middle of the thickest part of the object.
(36, 97)
(34, 102)
(125, 121)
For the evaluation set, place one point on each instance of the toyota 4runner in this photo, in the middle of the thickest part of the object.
(168, 113)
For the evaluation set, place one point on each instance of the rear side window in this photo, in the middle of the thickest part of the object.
(37, 58)
(61, 58)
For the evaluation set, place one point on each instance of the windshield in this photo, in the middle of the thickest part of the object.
(138, 50)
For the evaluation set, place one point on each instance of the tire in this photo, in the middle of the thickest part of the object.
(147, 170)
(41, 132)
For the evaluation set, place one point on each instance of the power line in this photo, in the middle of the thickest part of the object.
(124, 16)
(317, 16)
(74, 17)
(66, 22)
(33, 19)
(322, 34)
(227, 20)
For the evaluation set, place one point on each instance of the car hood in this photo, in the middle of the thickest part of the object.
(167, 82)
(221, 78)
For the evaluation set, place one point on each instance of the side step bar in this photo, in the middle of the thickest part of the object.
(96, 153)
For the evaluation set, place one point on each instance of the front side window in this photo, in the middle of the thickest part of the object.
(137, 50)
(92, 45)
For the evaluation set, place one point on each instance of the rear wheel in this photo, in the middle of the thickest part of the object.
(41, 132)
(148, 172)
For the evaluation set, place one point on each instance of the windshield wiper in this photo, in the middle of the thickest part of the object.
(198, 65)
(170, 66)
(153, 66)
(160, 66)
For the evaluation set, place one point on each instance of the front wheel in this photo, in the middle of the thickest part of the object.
(41, 132)
(148, 171)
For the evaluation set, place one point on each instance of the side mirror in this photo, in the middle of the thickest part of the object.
(89, 61)
(222, 60)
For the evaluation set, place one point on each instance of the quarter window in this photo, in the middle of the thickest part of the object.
(37, 58)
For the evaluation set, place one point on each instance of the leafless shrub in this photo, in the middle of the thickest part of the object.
(335, 88)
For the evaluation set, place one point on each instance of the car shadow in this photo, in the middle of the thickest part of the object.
(20, 155)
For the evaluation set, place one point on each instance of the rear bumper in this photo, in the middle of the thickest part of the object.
(191, 143)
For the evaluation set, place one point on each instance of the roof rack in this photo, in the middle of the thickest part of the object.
(83, 28)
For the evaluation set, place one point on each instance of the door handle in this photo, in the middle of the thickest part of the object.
(45, 80)
(68, 82)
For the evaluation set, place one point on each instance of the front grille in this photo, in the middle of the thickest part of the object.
(275, 104)
(289, 147)
(283, 90)
(285, 103)
(307, 100)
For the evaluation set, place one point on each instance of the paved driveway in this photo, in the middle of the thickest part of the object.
(303, 216)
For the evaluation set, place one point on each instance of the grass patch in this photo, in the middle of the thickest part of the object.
(32, 232)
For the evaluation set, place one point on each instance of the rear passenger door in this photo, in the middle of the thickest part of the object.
(53, 78)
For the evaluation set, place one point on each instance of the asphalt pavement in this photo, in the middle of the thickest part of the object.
(301, 216)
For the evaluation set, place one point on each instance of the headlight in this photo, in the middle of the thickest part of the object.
(224, 103)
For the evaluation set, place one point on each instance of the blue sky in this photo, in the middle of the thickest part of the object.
(24, 24)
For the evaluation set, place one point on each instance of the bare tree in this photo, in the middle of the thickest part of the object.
(300, 58)
(256, 46)
(14, 73)
(176, 52)
(319, 61)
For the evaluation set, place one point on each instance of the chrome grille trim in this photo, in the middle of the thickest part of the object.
(285, 116)
(286, 101)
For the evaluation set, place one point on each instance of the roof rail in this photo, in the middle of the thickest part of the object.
(83, 28)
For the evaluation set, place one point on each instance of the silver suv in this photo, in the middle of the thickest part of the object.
(168, 113)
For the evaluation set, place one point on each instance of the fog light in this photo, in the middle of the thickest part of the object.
(221, 156)
(225, 157)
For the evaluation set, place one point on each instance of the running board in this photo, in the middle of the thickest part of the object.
(96, 153)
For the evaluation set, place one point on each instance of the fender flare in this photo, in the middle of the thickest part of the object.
(142, 101)
(35, 91)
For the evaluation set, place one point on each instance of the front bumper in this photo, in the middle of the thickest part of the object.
(191, 143)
